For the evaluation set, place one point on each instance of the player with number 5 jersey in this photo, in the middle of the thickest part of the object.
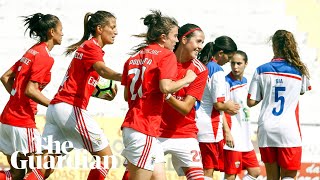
(278, 84)
(147, 76)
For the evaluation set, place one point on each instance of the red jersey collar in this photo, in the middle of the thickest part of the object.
(214, 60)
(277, 59)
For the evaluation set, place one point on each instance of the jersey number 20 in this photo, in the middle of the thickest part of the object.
(278, 98)
(136, 72)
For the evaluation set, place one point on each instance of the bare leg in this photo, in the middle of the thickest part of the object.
(273, 171)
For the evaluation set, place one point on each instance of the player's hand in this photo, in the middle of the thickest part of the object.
(111, 96)
(232, 107)
(228, 139)
(190, 76)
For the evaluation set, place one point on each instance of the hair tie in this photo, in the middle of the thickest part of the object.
(190, 31)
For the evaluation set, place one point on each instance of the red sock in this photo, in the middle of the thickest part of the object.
(126, 175)
(195, 174)
(5, 175)
(98, 173)
(36, 174)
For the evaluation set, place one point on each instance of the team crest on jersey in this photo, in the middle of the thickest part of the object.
(237, 164)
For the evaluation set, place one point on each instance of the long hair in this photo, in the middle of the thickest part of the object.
(157, 24)
(285, 46)
(39, 24)
(91, 21)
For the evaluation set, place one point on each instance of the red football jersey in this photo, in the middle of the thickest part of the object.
(35, 65)
(80, 79)
(174, 124)
(141, 75)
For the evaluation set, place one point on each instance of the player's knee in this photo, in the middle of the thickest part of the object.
(255, 172)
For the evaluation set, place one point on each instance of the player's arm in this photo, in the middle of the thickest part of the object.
(169, 86)
(7, 80)
(33, 92)
(183, 107)
(106, 72)
(125, 94)
(227, 132)
(252, 103)
(229, 107)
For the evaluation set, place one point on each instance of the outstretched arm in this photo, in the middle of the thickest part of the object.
(106, 72)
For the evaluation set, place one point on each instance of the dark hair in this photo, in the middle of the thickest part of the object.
(157, 24)
(91, 21)
(224, 43)
(39, 25)
(186, 30)
(285, 46)
(243, 54)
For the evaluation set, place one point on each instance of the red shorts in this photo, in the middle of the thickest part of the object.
(288, 158)
(236, 161)
(212, 155)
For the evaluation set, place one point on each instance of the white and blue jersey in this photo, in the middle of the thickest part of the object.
(278, 84)
(237, 91)
(208, 119)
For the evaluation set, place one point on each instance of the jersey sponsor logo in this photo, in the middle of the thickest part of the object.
(25, 60)
(92, 81)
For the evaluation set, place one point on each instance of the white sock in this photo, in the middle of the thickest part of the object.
(207, 178)
(248, 177)
(288, 178)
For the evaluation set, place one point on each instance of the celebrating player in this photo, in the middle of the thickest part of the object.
(147, 75)
(67, 118)
(24, 81)
(241, 155)
(278, 84)
(209, 115)
(178, 131)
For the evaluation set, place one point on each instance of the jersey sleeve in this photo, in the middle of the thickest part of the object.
(91, 54)
(305, 86)
(168, 67)
(41, 66)
(15, 67)
(124, 74)
(217, 86)
(228, 93)
(255, 92)
(196, 88)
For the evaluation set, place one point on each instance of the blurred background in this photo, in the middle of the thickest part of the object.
(250, 23)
